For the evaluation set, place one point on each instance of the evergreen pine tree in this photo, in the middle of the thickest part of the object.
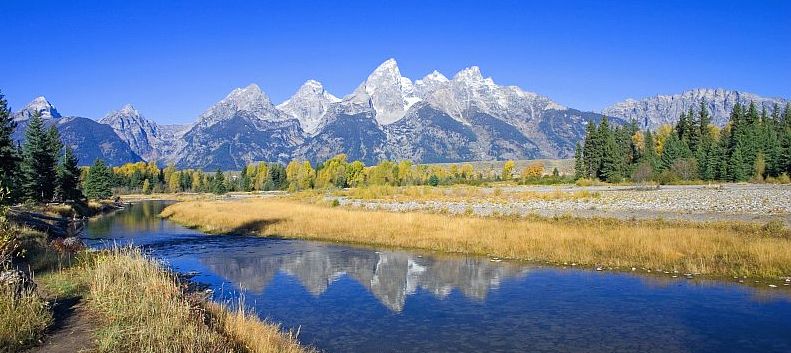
(785, 152)
(649, 151)
(612, 156)
(682, 126)
(69, 177)
(579, 163)
(98, 181)
(54, 147)
(787, 117)
(737, 167)
(247, 182)
(218, 183)
(38, 165)
(591, 150)
(9, 158)
(712, 165)
(674, 149)
(704, 119)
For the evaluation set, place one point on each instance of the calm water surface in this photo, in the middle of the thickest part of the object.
(348, 299)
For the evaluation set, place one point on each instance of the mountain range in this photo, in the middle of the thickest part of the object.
(467, 117)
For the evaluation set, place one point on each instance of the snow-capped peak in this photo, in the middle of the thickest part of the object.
(385, 91)
(435, 76)
(312, 88)
(251, 94)
(309, 105)
(38, 106)
(472, 73)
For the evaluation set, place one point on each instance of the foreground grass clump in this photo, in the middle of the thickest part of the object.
(712, 249)
(23, 318)
(147, 310)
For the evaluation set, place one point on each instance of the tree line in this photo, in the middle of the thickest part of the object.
(753, 146)
(298, 175)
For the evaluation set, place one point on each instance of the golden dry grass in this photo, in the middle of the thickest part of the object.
(255, 335)
(146, 310)
(711, 249)
(23, 318)
(458, 193)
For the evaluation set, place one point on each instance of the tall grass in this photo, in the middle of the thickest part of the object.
(146, 309)
(23, 318)
(713, 249)
(458, 193)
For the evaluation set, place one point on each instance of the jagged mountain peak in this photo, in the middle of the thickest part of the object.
(435, 76)
(385, 91)
(651, 112)
(38, 106)
(142, 135)
(309, 105)
(247, 95)
(472, 76)
(388, 65)
(129, 109)
(127, 112)
(250, 101)
(314, 88)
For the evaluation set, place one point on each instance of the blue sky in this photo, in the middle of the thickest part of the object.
(174, 60)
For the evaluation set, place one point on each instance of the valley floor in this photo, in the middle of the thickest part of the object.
(451, 220)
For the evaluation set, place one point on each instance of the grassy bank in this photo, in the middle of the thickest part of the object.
(136, 306)
(147, 310)
(711, 249)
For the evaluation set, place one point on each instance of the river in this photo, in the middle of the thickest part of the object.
(355, 299)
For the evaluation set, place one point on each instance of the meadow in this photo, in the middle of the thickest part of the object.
(712, 249)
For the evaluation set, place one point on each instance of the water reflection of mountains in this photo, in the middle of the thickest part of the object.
(390, 276)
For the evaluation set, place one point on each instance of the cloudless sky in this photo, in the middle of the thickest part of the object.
(173, 59)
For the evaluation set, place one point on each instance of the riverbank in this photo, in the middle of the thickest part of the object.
(712, 249)
(132, 304)
(57, 297)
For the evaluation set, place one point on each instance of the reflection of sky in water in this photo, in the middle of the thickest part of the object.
(346, 299)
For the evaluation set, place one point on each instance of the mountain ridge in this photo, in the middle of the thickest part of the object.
(388, 116)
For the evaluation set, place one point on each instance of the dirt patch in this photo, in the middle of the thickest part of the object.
(72, 330)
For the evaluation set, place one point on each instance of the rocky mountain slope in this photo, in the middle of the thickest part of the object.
(151, 141)
(243, 127)
(654, 111)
